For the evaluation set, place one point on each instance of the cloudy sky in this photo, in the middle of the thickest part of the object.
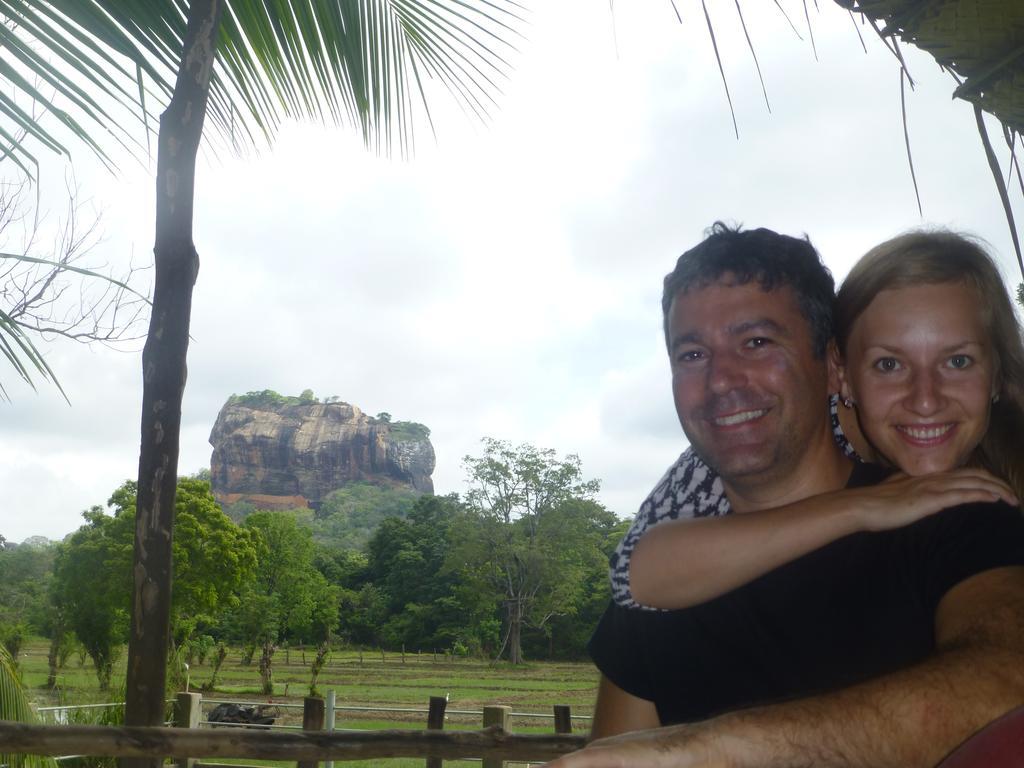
(506, 281)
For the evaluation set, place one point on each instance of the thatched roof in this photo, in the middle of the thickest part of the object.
(981, 41)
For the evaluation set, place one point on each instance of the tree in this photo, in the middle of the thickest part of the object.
(366, 61)
(405, 556)
(344, 567)
(589, 533)
(25, 572)
(409, 563)
(62, 639)
(213, 557)
(93, 586)
(363, 612)
(26, 602)
(520, 497)
(295, 600)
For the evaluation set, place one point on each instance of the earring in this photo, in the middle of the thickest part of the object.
(847, 402)
(995, 398)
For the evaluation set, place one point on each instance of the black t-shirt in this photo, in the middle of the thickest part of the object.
(857, 608)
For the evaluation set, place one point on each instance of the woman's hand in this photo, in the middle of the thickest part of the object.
(903, 499)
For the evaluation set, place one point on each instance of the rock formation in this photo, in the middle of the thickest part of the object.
(280, 452)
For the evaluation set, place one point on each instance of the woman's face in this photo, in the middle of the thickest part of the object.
(919, 366)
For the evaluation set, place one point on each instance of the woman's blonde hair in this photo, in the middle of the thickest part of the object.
(940, 256)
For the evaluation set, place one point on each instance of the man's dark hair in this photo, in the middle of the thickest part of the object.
(773, 260)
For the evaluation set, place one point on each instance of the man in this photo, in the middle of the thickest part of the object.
(876, 650)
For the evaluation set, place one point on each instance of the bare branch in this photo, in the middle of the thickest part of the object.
(61, 289)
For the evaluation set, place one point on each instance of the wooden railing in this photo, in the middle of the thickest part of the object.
(494, 744)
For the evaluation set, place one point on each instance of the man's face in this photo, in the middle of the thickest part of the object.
(748, 390)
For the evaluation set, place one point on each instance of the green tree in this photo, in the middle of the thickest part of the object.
(62, 638)
(252, 623)
(408, 562)
(298, 602)
(25, 572)
(589, 533)
(406, 556)
(28, 601)
(341, 566)
(519, 542)
(213, 557)
(363, 612)
(92, 578)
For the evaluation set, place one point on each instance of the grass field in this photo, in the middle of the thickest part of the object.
(363, 680)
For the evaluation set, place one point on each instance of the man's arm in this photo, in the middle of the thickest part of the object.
(618, 712)
(908, 719)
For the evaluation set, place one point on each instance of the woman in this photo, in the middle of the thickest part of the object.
(929, 358)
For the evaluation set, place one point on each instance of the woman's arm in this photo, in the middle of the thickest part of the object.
(687, 562)
(688, 489)
(691, 489)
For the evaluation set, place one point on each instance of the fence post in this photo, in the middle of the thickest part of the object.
(312, 720)
(563, 718)
(332, 700)
(496, 715)
(187, 711)
(435, 722)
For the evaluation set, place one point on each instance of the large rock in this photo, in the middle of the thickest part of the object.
(283, 455)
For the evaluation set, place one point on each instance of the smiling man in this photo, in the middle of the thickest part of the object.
(881, 649)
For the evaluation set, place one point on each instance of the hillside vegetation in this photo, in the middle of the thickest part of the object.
(513, 568)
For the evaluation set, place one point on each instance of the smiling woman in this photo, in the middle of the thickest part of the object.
(922, 375)
(932, 356)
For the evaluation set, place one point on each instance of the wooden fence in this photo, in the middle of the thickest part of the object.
(186, 742)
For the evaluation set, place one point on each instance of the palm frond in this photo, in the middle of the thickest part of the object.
(64, 266)
(88, 63)
(15, 707)
(19, 351)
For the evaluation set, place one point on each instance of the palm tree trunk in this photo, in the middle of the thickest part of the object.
(164, 370)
